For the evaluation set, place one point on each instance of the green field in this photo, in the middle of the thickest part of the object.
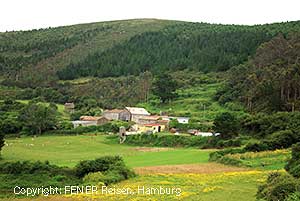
(68, 150)
(229, 184)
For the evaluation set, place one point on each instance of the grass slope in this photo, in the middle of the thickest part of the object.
(195, 102)
(68, 150)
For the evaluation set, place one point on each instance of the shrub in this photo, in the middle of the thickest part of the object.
(227, 124)
(26, 167)
(220, 156)
(278, 187)
(112, 167)
(281, 139)
(262, 125)
(93, 178)
(256, 147)
(278, 140)
(65, 125)
(293, 166)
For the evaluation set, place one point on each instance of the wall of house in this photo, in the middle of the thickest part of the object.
(84, 123)
(102, 121)
(111, 115)
(124, 116)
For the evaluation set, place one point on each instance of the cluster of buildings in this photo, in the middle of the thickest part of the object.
(144, 121)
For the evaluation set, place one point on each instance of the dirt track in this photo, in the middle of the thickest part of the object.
(208, 168)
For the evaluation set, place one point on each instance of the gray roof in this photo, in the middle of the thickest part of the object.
(138, 110)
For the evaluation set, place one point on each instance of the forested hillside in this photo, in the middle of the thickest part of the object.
(32, 58)
(270, 81)
(42, 57)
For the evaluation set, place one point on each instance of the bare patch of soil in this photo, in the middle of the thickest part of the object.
(208, 168)
(151, 149)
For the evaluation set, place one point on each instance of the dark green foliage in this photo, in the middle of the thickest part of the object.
(35, 58)
(278, 187)
(112, 127)
(1, 141)
(180, 141)
(9, 110)
(293, 166)
(278, 140)
(282, 139)
(45, 94)
(10, 125)
(269, 81)
(227, 125)
(165, 87)
(112, 167)
(262, 125)
(256, 147)
(26, 167)
(109, 92)
(38, 118)
(198, 46)
(34, 174)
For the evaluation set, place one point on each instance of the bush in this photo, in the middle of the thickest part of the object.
(281, 139)
(293, 166)
(262, 125)
(278, 140)
(256, 147)
(26, 167)
(226, 124)
(94, 178)
(65, 125)
(220, 156)
(113, 169)
(278, 187)
(108, 127)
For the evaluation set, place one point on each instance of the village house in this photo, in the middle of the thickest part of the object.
(69, 107)
(144, 128)
(151, 119)
(90, 121)
(136, 113)
(117, 114)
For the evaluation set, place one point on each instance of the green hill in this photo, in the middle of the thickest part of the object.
(104, 49)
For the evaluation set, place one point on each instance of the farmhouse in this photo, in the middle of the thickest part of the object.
(151, 119)
(144, 128)
(90, 121)
(69, 107)
(136, 113)
(117, 114)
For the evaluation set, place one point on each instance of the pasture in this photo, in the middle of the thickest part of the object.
(69, 150)
(184, 168)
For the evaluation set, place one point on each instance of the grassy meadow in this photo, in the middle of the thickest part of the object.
(69, 150)
(184, 168)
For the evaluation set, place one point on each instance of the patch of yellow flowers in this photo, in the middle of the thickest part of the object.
(262, 154)
(193, 186)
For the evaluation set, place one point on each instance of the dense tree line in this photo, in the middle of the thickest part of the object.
(270, 81)
(198, 46)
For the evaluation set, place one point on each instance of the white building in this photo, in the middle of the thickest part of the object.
(136, 113)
